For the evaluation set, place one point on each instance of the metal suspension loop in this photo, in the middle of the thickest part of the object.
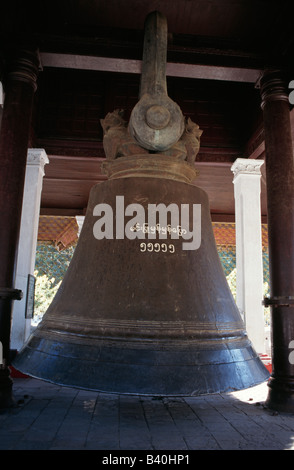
(156, 121)
(153, 78)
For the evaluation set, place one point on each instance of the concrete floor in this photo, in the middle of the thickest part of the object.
(52, 417)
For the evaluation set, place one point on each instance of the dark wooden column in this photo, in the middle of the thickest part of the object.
(19, 86)
(280, 201)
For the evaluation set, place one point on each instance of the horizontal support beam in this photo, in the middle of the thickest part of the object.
(60, 212)
(107, 64)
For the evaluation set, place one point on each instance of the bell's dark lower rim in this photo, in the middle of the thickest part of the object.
(180, 371)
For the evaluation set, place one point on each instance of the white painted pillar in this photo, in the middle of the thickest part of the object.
(21, 326)
(249, 266)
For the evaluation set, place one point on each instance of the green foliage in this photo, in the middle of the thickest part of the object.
(45, 290)
(231, 278)
(50, 268)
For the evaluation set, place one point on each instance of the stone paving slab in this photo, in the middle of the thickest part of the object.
(51, 417)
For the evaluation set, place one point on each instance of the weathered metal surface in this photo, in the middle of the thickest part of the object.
(143, 316)
(156, 121)
(118, 142)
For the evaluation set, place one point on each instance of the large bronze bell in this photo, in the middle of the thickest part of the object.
(145, 307)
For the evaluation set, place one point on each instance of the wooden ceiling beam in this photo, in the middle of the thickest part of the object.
(118, 65)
